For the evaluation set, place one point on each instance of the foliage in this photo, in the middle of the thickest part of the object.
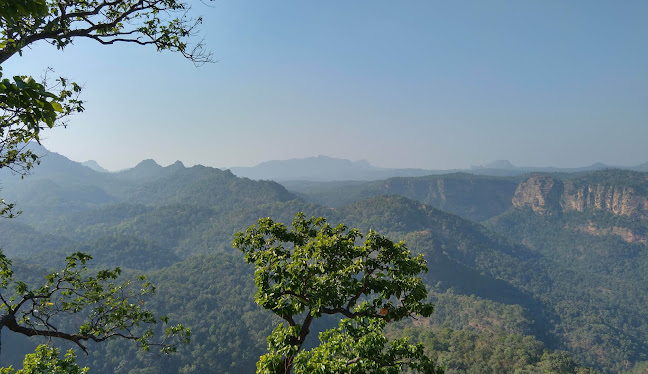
(47, 360)
(215, 295)
(360, 346)
(315, 269)
(471, 350)
(164, 24)
(570, 289)
(599, 281)
(106, 309)
(28, 107)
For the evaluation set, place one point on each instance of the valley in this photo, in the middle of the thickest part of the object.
(530, 272)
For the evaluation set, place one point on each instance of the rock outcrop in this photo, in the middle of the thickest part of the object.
(547, 194)
(540, 192)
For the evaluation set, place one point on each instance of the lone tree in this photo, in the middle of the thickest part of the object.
(314, 269)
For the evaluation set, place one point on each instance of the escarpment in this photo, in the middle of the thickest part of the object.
(605, 191)
(470, 196)
(540, 192)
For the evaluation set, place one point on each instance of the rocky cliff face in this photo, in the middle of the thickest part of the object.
(546, 194)
(540, 192)
(474, 197)
(619, 200)
(624, 233)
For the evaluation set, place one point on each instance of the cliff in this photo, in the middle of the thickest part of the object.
(471, 196)
(622, 193)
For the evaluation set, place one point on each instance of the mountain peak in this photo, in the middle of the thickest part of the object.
(500, 164)
(310, 168)
(148, 163)
(177, 165)
(94, 165)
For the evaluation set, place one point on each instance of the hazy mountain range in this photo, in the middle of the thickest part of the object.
(324, 168)
(524, 267)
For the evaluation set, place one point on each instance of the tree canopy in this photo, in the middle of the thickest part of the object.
(46, 360)
(105, 309)
(315, 269)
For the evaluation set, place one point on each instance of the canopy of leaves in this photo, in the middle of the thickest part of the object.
(314, 269)
(105, 309)
(47, 360)
(162, 23)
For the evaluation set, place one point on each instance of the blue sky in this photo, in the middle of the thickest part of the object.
(424, 84)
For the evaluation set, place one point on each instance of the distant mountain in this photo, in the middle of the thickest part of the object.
(323, 168)
(500, 164)
(144, 170)
(642, 167)
(329, 169)
(94, 165)
(53, 166)
(506, 168)
(206, 186)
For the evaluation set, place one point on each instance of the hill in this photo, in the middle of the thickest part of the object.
(474, 197)
(94, 165)
(559, 265)
(322, 168)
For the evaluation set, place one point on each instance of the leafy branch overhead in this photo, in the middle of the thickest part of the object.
(315, 269)
(166, 24)
(106, 309)
(27, 108)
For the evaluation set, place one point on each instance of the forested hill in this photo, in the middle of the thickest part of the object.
(480, 197)
(59, 185)
(541, 281)
(475, 197)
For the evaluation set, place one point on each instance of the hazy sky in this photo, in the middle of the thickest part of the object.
(400, 83)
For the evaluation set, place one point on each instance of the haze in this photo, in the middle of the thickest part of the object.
(401, 84)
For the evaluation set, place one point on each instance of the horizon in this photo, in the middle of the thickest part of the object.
(486, 165)
(427, 85)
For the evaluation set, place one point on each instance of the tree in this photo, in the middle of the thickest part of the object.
(164, 24)
(315, 269)
(28, 107)
(47, 360)
(101, 308)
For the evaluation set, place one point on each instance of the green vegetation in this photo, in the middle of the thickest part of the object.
(570, 281)
(47, 360)
(103, 307)
(314, 269)
(88, 304)
(598, 281)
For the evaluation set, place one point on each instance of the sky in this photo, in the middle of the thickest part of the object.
(424, 84)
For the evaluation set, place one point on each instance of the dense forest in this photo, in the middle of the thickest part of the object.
(534, 273)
